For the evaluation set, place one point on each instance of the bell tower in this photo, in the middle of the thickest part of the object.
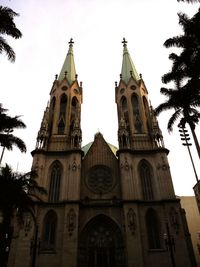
(150, 206)
(60, 127)
(138, 127)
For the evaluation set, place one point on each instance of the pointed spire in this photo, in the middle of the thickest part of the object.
(68, 69)
(128, 68)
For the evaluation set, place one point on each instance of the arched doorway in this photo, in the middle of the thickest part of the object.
(101, 244)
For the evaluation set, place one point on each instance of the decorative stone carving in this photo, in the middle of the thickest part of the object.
(163, 166)
(71, 221)
(100, 179)
(174, 220)
(27, 224)
(131, 218)
(74, 166)
(125, 165)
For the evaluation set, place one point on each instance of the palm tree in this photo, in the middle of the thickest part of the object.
(8, 27)
(185, 65)
(18, 193)
(7, 126)
(184, 102)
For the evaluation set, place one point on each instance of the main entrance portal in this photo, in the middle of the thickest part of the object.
(101, 244)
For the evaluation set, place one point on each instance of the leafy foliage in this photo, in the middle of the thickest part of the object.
(185, 65)
(18, 192)
(184, 102)
(7, 126)
(8, 27)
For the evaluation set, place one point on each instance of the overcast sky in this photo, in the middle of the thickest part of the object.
(97, 27)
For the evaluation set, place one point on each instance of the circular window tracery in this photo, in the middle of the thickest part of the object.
(99, 179)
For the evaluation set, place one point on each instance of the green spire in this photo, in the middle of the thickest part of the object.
(68, 69)
(128, 68)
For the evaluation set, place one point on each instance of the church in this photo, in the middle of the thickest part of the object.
(105, 206)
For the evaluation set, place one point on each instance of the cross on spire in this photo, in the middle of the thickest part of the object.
(71, 42)
(124, 42)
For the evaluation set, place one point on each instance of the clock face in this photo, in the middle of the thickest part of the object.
(99, 179)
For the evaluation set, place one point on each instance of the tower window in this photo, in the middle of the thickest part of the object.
(124, 110)
(123, 104)
(52, 109)
(146, 108)
(49, 231)
(145, 172)
(136, 113)
(153, 231)
(63, 105)
(61, 126)
(74, 104)
(55, 177)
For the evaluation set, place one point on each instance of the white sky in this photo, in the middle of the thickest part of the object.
(97, 27)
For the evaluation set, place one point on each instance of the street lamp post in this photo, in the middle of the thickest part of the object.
(170, 245)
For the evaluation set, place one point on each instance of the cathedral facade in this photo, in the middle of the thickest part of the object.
(105, 206)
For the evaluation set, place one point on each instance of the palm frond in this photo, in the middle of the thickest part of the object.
(173, 119)
(4, 46)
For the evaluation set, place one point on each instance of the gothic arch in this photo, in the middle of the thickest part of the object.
(136, 113)
(153, 229)
(62, 113)
(123, 103)
(74, 105)
(146, 109)
(124, 109)
(63, 105)
(49, 231)
(51, 112)
(55, 173)
(101, 244)
(146, 175)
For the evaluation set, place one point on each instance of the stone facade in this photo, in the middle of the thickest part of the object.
(105, 206)
(190, 206)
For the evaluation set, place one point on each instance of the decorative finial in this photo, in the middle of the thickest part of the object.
(65, 74)
(76, 76)
(81, 84)
(56, 77)
(120, 76)
(140, 75)
(124, 42)
(131, 73)
(115, 84)
(71, 42)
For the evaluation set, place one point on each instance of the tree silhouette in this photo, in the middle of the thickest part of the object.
(8, 27)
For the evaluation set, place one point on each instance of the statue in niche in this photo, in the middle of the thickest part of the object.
(71, 221)
(174, 220)
(131, 218)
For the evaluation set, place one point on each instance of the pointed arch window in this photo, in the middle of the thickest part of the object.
(153, 229)
(146, 108)
(62, 114)
(136, 113)
(146, 174)
(63, 105)
(49, 231)
(61, 126)
(51, 113)
(55, 179)
(74, 106)
(124, 108)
